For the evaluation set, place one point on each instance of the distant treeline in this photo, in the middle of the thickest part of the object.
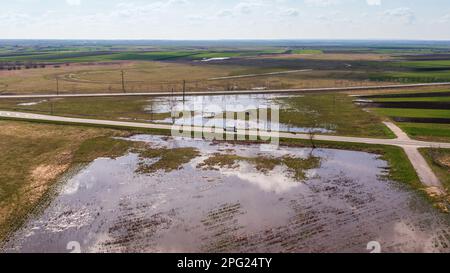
(26, 65)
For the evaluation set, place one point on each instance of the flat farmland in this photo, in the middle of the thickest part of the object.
(149, 76)
(79, 167)
(99, 70)
(102, 77)
(422, 115)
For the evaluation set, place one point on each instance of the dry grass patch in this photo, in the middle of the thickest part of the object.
(34, 156)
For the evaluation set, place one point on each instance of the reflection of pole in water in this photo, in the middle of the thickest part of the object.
(224, 113)
(184, 90)
(151, 111)
(172, 105)
(203, 113)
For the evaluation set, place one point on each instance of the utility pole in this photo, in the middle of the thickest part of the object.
(184, 90)
(57, 86)
(123, 82)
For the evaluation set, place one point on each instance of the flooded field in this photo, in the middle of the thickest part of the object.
(235, 198)
(209, 111)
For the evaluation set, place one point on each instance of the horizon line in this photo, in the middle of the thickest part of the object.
(228, 39)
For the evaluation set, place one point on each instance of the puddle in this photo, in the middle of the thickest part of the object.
(231, 103)
(342, 205)
(232, 124)
(216, 59)
(208, 111)
(31, 103)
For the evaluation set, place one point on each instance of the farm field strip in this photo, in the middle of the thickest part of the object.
(111, 55)
(417, 99)
(424, 116)
(413, 113)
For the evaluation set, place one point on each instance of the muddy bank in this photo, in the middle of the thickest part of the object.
(339, 205)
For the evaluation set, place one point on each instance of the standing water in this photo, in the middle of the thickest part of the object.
(210, 111)
(340, 206)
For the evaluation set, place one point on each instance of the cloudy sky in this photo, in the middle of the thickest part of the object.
(225, 19)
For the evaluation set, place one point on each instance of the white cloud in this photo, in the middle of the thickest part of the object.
(186, 19)
(247, 7)
(73, 2)
(444, 19)
(225, 13)
(373, 2)
(321, 3)
(405, 15)
(290, 12)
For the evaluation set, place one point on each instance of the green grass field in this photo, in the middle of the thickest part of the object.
(412, 77)
(417, 99)
(439, 160)
(426, 64)
(127, 108)
(307, 51)
(334, 112)
(422, 131)
(412, 113)
(102, 56)
(427, 131)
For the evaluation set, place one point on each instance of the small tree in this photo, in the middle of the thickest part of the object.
(312, 136)
(314, 124)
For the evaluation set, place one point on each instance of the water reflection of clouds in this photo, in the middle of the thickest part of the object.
(276, 180)
(342, 210)
(209, 103)
(85, 180)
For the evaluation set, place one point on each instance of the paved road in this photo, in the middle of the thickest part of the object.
(397, 131)
(425, 173)
(410, 146)
(394, 142)
(236, 92)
